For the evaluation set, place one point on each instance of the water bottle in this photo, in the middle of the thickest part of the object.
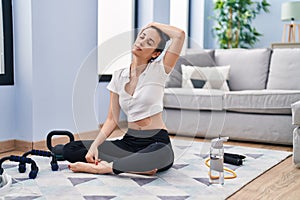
(216, 170)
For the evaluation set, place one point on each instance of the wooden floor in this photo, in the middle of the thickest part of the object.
(280, 182)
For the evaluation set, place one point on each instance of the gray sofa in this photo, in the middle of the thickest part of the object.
(296, 135)
(263, 84)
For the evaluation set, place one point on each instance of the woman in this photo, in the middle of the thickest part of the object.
(138, 90)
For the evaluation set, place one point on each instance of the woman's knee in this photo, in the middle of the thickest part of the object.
(156, 156)
(164, 149)
(162, 154)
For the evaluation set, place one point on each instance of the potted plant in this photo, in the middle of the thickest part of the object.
(233, 28)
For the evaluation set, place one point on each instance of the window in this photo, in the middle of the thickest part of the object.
(180, 20)
(6, 43)
(115, 34)
(191, 20)
(173, 12)
(117, 20)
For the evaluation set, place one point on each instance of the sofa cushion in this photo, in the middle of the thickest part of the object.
(200, 59)
(193, 99)
(285, 69)
(249, 67)
(261, 101)
(296, 113)
(208, 77)
(211, 52)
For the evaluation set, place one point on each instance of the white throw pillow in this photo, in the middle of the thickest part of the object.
(205, 77)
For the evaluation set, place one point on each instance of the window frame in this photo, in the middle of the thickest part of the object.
(8, 77)
(107, 77)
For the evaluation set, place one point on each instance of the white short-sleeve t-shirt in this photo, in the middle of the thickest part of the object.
(147, 98)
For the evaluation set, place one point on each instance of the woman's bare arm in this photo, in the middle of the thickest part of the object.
(177, 37)
(107, 128)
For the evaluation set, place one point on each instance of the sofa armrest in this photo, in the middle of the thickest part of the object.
(296, 113)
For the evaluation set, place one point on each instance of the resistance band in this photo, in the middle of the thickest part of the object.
(225, 169)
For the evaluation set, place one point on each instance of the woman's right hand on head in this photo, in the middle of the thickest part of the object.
(92, 155)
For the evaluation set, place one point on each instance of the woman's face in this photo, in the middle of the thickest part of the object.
(146, 43)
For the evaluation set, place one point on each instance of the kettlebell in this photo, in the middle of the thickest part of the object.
(58, 149)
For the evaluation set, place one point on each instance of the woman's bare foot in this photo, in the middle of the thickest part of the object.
(149, 173)
(102, 168)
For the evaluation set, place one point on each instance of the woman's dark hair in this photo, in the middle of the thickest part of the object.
(163, 39)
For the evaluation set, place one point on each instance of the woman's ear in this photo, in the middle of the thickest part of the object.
(155, 54)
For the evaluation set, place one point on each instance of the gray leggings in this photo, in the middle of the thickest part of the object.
(137, 151)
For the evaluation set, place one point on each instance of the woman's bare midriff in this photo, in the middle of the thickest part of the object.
(152, 122)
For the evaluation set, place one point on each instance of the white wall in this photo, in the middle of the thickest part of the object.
(62, 43)
(55, 69)
(7, 113)
(270, 25)
(102, 101)
(22, 21)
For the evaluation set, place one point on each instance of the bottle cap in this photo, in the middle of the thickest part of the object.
(217, 143)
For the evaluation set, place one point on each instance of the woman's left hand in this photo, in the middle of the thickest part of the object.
(92, 155)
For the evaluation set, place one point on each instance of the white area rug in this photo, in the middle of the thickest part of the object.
(186, 180)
